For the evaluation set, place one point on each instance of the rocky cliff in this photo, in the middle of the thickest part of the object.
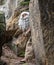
(42, 26)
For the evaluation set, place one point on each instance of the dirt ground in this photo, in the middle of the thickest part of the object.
(11, 59)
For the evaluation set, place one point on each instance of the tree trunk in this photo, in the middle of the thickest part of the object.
(42, 29)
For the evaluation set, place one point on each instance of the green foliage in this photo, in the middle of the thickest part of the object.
(21, 53)
(2, 22)
(24, 3)
(27, 0)
(2, 17)
(25, 64)
(2, 26)
(2, 2)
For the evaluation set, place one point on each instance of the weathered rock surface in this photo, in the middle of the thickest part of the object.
(12, 23)
(11, 59)
(42, 26)
(17, 44)
(2, 31)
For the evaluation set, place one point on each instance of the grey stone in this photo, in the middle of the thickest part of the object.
(42, 26)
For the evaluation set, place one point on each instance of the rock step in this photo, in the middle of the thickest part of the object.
(11, 59)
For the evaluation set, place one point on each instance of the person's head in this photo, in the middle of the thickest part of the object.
(24, 14)
(24, 21)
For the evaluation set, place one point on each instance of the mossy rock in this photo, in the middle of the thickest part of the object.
(18, 51)
(2, 27)
(2, 17)
(2, 63)
(2, 23)
(25, 64)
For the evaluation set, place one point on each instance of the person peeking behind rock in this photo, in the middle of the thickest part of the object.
(23, 23)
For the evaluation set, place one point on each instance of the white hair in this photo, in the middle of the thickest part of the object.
(24, 13)
(24, 23)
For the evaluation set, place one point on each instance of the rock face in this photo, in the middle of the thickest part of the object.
(19, 2)
(12, 23)
(2, 31)
(18, 44)
(12, 6)
(5, 8)
(42, 26)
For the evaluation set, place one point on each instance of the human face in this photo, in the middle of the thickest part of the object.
(24, 15)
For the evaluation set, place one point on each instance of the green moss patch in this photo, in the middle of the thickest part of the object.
(24, 3)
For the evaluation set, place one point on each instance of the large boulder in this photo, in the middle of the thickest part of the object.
(12, 26)
(42, 26)
(18, 44)
(12, 23)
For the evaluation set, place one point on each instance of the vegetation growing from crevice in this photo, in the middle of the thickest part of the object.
(24, 3)
(26, 0)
